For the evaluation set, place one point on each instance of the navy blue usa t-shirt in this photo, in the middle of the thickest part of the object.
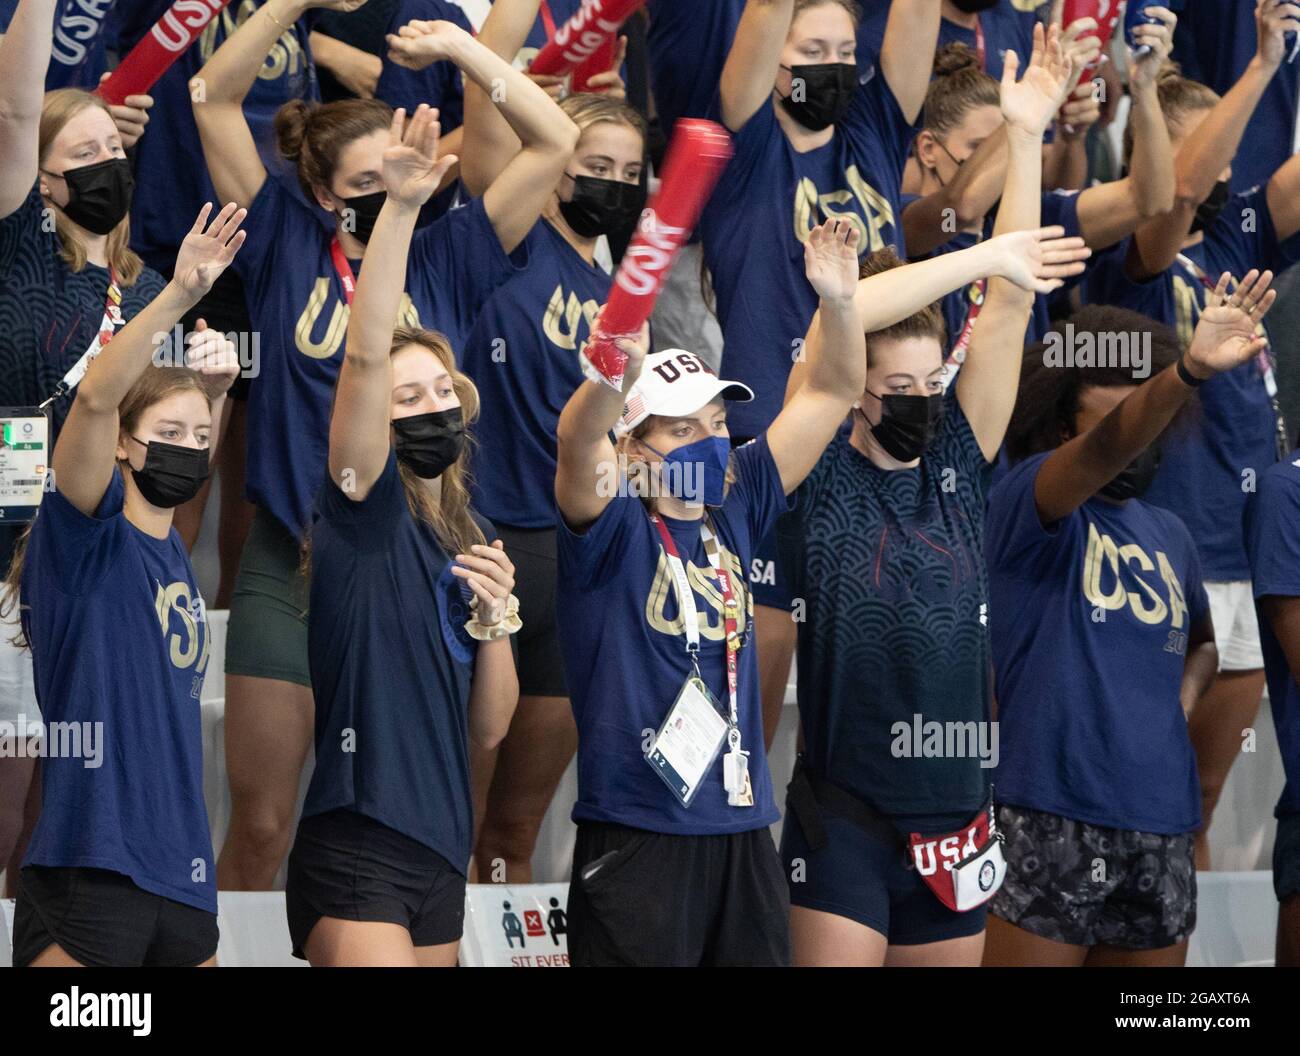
(1214, 44)
(1008, 25)
(755, 224)
(120, 647)
(77, 54)
(1090, 623)
(891, 570)
(1203, 472)
(301, 315)
(391, 666)
(1058, 208)
(1273, 543)
(171, 175)
(625, 660)
(523, 356)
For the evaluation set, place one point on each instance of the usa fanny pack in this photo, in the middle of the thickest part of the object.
(963, 868)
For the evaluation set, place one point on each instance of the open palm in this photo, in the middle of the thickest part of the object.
(208, 249)
(412, 168)
(1226, 336)
(830, 259)
(1032, 102)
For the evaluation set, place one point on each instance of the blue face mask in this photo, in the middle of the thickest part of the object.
(699, 467)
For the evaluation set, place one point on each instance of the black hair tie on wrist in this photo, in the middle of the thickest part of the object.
(1187, 377)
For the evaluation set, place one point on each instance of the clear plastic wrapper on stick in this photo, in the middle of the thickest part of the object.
(696, 157)
(166, 41)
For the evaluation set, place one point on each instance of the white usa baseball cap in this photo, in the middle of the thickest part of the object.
(675, 383)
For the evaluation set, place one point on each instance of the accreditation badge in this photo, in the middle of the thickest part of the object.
(689, 740)
(24, 462)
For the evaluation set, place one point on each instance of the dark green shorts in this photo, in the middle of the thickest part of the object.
(267, 634)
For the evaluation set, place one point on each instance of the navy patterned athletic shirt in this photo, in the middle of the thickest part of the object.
(892, 574)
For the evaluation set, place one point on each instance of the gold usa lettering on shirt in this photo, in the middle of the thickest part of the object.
(337, 329)
(663, 592)
(812, 207)
(564, 316)
(1187, 310)
(1102, 562)
(175, 597)
(286, 55)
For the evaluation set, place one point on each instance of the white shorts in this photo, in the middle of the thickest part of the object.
(17, 685)
(1236, 628)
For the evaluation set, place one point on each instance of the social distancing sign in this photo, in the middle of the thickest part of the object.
(520, 926)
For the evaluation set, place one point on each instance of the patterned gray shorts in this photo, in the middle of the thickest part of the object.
(1085, 885)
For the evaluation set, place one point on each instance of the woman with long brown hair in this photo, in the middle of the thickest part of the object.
(411, 609)
(120, 869)
(304, 265)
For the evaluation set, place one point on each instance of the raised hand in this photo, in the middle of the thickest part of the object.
(830, 260)
(1031, 103)
(1227, 334)
(1039, 261)
(131, 116)
(611, 82)
(208, 249)
(1274, 19)
(421, 43)
(1080, 42)
(412, 168)
(1143, 71)
(213, 356)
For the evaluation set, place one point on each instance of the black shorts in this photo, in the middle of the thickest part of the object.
(346, 865)
(1286, 857)
(639, 898)
(1086, 885)
(541, 672)
(103, 920)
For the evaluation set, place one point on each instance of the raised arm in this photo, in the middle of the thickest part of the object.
(585, 454)
(489, 142)
(359, 425)
(24, 55)
(931, 222)
(1112, 211)
(990, 377)
(84, 456)
(835, 354)
(755, 56)
(515, 199)
(1284, 198)
(911, 33)
(1212, 146)
(1225, 338)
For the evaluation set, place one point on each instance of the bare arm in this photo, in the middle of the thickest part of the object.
(835, 368)
(990, 378)
(1212, 146)
(84, 456)
(1284, 198)
(515, 198)
(911, 33)
(931, 222)
(24, 56)
(1283, 614)
(1201, 665)
(1225, 338)
(493, 694)
(491, 143)
(754, 58)
(582, 439)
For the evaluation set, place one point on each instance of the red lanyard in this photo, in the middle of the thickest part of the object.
(976, 292)
(979, 43)
(686, 605)
(344, 270)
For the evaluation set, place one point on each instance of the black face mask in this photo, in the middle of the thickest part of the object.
(908, 424)
(1208, 211)
(601, 206)
(828, 89)
(99, 195)
(429, 443)
(172, 474)
(974, 7)
(365, 211)
(1135, 478)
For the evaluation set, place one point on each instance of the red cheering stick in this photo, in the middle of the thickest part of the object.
(599, 62)
(165, 42)
(697, 155)
(591, 25)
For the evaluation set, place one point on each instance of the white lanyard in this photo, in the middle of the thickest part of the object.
(111, 321)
